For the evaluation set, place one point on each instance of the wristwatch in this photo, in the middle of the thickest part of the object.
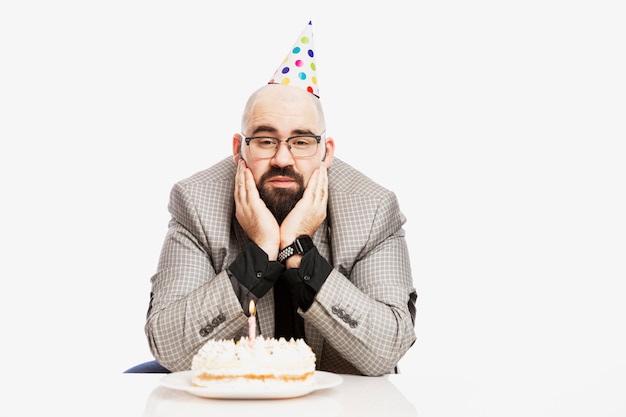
(300, 246)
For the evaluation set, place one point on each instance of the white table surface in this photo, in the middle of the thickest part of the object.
(424, 395)
(599, 393)
(142, 395)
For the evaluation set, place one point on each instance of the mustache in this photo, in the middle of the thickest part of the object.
(284, 172)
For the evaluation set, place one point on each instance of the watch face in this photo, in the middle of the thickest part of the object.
(303, 244)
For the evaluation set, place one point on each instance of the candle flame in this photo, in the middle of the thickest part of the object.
(252, 308)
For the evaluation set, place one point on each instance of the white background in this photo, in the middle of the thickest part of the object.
(500, 126)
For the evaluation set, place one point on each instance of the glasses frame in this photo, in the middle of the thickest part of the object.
(318, 139)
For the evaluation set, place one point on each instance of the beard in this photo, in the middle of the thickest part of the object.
(280, 201)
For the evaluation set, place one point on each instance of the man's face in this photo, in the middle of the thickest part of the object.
(282, 112)
(278, 199)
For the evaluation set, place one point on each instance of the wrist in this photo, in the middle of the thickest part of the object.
(301, 245)
(270, 250)
(293, 262)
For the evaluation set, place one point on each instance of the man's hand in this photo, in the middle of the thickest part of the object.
(309, 213)
(253, 215)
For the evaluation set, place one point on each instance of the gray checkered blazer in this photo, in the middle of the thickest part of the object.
(361, 321)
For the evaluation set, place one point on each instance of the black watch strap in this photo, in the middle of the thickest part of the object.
(300, 246)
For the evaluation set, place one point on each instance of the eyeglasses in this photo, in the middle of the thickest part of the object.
(300, 146)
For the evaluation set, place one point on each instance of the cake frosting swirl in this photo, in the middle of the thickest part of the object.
(262, 361)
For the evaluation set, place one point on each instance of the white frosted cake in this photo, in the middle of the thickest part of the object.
(261, 363)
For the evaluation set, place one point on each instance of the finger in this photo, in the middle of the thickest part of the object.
(322, 176)
(241, 193)
(238, 177)
(311, 188)
(249, 185)
(324, 182)
(319, 185)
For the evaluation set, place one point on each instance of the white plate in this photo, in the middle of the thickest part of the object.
(182, 381)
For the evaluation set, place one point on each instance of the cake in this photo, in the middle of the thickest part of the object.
(262, 362)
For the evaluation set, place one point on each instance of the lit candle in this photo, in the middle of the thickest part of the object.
(252, 321)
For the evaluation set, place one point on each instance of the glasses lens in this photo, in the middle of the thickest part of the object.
(302, 146)
(263, 147)
(266, 147)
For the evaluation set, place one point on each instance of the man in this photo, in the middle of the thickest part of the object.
(317, 245)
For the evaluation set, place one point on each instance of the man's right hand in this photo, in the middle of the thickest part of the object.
(253, 215)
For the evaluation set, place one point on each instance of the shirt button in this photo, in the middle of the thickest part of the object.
(259, 274)
(306, 277)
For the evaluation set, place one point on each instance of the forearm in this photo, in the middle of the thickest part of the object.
(178, 324)
(192, 298)
(380, 338)
(366, 317)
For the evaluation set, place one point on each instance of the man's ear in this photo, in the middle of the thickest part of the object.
(237, 141)
(329, 152)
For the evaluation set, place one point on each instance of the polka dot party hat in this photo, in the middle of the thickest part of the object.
(298, 67)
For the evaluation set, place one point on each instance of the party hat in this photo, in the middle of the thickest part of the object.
(298, 68)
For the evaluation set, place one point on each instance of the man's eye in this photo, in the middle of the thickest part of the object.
(266, 143)
(302, 142)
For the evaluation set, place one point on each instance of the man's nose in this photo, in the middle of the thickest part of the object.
(283, 156)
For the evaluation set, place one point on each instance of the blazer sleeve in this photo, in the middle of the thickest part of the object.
(189, 301)
(366, 311)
